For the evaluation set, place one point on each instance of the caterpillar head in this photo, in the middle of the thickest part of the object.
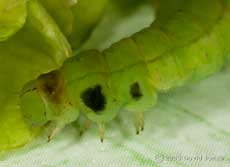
(44, 102)
(33, 106)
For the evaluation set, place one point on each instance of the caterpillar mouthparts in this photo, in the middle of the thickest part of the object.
(185, 43)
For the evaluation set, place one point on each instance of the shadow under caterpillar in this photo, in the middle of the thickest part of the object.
(188, 41)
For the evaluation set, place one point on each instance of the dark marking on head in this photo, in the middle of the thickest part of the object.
(135, 91)
(52, 85)
(94, 99)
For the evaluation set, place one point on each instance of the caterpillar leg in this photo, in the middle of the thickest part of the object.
(139, 122)
(101, 130)
(53, 130)
(84, 125)
(66, 114)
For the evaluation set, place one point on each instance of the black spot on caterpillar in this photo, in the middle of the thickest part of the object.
(135, 91)
(189, 40)
(94, 99)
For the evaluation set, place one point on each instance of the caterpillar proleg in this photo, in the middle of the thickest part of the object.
(189, 40)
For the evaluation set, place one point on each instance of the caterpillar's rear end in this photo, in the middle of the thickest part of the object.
(189, 40)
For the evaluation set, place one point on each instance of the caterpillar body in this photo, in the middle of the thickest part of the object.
(189, 40)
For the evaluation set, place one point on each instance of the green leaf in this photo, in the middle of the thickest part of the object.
(76, 19)
(60, 10)
(12, 17)
(38, 47)
(86, 14)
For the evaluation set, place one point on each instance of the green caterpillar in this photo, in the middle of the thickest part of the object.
(188, 41)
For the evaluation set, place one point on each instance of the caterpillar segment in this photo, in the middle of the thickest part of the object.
(188, 42)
